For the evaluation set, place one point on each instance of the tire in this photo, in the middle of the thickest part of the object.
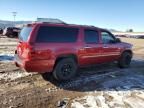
(65, 69)
(10, 36)
(46, 76)
(125, 60)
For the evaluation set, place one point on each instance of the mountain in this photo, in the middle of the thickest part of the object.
(4, 23)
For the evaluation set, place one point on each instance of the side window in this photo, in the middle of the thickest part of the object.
(57, 34)
(107, 38)
(91, 36)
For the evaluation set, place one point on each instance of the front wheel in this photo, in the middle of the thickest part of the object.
(65, 69)
(125, 60)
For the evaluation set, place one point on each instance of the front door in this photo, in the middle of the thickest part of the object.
(110, 48)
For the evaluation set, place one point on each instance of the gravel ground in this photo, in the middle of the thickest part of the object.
(102, 86)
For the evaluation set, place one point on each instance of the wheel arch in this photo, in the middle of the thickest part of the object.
(128, 51)
(63, 56)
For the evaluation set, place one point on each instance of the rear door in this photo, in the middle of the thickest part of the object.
(91, 47)
(56, 40)
(110, 48)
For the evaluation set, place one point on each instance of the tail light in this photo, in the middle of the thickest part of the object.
(25, 50)
(29, 52)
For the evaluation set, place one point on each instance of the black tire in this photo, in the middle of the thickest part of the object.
(125, 60)
(65, 69)
(46, 76)
(10, 36)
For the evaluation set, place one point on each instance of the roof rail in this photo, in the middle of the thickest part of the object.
(88, 25)
(58, 21)
(82, 25)
(54, 22)
(50, 21)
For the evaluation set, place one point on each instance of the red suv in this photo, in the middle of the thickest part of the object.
(62, 48)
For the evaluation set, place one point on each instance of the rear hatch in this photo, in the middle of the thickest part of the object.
(23, 46)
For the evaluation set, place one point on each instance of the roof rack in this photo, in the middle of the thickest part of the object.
(50, 21)
(54, 22)
(58, 21)
(82, 25)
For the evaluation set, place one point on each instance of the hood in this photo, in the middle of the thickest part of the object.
(127, 45)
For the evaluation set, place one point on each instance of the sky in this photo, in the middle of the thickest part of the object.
(113, 14)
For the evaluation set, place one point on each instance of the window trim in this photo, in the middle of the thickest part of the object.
(21, 38)
(108, 33)
(77, 36)
(91, 30)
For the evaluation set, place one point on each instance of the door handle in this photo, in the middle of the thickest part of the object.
(105, 46)
(86, 47)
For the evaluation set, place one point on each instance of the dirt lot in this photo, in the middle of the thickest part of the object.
(102, 86)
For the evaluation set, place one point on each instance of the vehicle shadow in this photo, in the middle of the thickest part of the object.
(106, 77)
(2, 36)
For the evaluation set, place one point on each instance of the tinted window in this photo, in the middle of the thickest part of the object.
(57, 34)
(91, 36)
(107, 38)
(24, 34)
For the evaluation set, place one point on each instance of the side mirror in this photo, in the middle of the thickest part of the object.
(118, 40)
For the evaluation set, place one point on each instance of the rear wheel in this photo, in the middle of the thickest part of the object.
(46, 76)
(125, 60)
(65, 69)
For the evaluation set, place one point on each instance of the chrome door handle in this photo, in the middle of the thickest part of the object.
(87, 47)
(105, 47)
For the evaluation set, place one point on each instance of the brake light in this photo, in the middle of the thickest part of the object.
(29, 52)
(24, 50)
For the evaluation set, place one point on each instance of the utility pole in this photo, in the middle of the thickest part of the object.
(14, 15)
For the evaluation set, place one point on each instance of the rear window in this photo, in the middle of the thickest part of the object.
(24, 34)
(57, 34)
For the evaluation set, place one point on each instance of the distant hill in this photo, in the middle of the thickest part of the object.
(4, 23)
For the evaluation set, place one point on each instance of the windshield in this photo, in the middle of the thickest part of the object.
(24, 34)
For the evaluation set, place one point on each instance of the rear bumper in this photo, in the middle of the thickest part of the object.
(40, 66)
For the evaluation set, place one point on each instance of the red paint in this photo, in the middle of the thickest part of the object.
(41, 57)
